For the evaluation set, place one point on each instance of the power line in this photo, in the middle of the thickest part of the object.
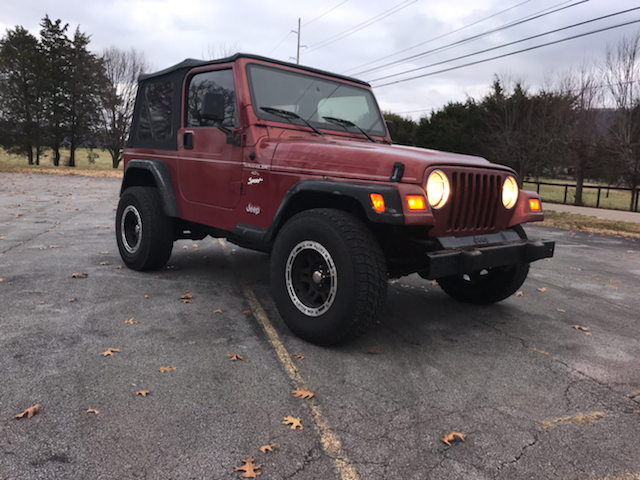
(511, 53)
(361, 26)
(529, 18)
(507, 44)
(328, 11)
(281, 41)
(434, 39)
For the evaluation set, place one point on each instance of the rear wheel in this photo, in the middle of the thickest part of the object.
(329, 276)
(143, 232)
(487, 286)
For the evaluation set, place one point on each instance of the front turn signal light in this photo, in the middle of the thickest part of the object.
(534, 205)
(377, 202)
(415, 202)
(510, 191)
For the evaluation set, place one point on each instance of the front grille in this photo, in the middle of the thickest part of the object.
(474, 202)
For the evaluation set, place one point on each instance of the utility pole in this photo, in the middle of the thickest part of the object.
(299, 46)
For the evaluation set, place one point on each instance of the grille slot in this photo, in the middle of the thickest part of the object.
(474, 202)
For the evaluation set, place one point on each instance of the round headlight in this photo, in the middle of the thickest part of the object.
(438, 189)
(510, 192)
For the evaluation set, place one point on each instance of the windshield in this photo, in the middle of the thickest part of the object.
(312, 99)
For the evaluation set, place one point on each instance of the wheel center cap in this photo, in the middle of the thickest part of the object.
(317, 276)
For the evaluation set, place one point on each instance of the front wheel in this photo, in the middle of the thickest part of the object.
(143, 232)
(487, 286)
(328, 275)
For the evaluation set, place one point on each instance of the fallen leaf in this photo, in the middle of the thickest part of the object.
(235, 356)
(299, 357)
(635, 394)
(104, 253)
(131, 321)
(579, 418)
(302, 393)
(185, 247)
(143, 392)
(147, 296)
(217, 310)
(450, 437)
(102, 264)
(584, 329)
(78, 275)
(167, 369)
(293, 421)
(54, 246)
(249, 468)
(119, 267)
(542, 289)
(93, 410)
(562, 310)
(195, 245)
(73, 300)
(186, 298)
(630, 251)
(160, 276)
(519, 294)
(109, 351)
(372, 352)
(247, 311)
(267, 448)
(41, 303)
(29, 412)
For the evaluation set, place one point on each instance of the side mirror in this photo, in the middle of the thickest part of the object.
(213, 107)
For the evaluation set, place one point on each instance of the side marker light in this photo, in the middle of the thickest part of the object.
(415, 202)
(534, 205)
(377, 202)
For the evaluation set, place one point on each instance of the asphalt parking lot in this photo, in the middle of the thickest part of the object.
(545, 385)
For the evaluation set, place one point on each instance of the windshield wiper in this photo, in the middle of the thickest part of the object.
(347, 123)
(286, 114)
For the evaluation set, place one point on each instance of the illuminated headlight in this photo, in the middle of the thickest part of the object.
(510, 192)
(438, 189)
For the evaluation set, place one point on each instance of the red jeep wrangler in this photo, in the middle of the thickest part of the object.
(299, 163)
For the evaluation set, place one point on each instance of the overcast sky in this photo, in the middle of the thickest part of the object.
(352, 37)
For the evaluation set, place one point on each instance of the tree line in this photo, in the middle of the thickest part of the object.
(55, 93)
(584, 124)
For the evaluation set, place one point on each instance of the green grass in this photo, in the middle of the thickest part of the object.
(586, 223)
(614, 199)
(102, 166)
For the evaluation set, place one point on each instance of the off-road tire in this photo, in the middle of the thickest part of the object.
(487, 286)
(328, 275)
(143, 232)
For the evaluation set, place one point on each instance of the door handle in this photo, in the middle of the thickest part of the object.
(187, 140)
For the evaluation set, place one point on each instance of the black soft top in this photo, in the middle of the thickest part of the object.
(190, 63)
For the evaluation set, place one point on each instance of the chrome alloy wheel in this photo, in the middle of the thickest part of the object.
(311, 278)
(131, 229)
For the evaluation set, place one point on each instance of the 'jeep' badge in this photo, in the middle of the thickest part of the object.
(253, 209)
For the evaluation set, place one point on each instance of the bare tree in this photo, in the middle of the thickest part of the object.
(122, 70)
(221, 51)
(620, 71)
(584, 131)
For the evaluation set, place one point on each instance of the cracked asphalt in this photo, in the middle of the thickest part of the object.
(495, 373)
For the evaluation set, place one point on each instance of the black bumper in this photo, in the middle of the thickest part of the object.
(462, 255)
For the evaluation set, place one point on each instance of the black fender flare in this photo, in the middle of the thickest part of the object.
(360, 192)
(161, 180)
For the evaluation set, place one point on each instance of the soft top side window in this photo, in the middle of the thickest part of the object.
(157, 112)
(217, 81)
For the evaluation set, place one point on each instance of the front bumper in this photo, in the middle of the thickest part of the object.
(460, 255)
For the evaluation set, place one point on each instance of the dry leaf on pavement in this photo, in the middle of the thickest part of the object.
(583, 329)
(131, 321)
(579, 418)
(293, 421)
(519, 294)
(217, 310)
(542, 289)
(267, 448)
(29, 412)
(452, 436)
(249, 468)
(92, 410)
(235, 356)
(373, 352)
(167, 369)
(143, 392)
(109, 351)
(78, 275)
(302, 393)
(299, 357)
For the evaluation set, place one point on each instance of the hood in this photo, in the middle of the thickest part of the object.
(368, 161)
